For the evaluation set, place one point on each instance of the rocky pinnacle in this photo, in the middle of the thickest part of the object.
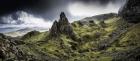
(61, 27)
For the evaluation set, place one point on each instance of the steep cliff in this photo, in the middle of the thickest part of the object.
(131, 11)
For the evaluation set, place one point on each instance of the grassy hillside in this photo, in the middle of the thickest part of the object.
(110, 40)
(90, 38)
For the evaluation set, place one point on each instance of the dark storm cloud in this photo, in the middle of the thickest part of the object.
(15, 14)
(7, 6)
(45, 8)
(39, 7)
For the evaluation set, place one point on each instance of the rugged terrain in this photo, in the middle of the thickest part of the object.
(113, 39)
(107, 37)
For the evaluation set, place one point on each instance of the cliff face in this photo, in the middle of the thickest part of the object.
(61, 27)
(131, 11)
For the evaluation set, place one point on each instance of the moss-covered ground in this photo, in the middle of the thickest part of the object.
(86, 47)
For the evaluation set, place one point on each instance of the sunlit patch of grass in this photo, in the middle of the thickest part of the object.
(116, 49)
(36, 38)
(105, 59)
(132, 37)
(112, 24)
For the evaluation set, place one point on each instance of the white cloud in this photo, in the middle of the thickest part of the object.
(25, 20)
(91, 9)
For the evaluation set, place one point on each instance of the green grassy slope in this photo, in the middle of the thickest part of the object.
(95, 41)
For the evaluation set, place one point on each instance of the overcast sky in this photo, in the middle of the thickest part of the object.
(19, 12)
(51, 8)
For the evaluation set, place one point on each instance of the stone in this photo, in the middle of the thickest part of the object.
(131, 11)
(54, 29)
(61, 27)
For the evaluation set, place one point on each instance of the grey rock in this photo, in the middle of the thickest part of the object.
(62, 27)
(54, 31)
(131, 11)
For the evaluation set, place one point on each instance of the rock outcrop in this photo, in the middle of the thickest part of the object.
(101, 17)
(131, 11)
(9, 50)
(61, 27)
(54, 31)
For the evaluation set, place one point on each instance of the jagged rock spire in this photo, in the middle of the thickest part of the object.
(62, 15)
(54, 31)
(61, 27)
(63, 19)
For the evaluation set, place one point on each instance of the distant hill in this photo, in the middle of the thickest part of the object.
(101, 17)
(22, 32)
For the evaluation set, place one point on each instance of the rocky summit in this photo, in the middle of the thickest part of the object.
(131, 11)
(61, 27)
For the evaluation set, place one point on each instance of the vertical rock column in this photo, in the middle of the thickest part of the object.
(62, 27)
